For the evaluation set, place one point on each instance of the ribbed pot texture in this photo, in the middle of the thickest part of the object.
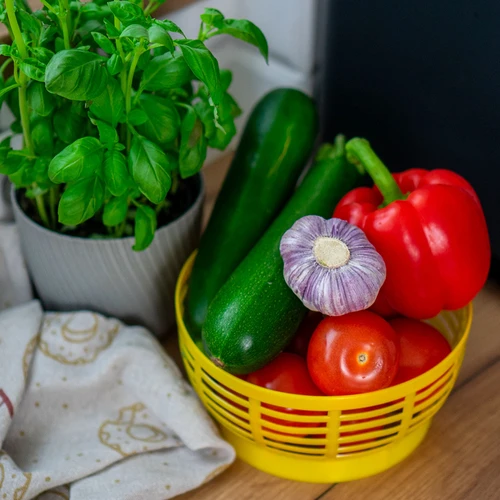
(107, 276)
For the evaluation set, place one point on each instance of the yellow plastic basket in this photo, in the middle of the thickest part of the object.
(329, 438)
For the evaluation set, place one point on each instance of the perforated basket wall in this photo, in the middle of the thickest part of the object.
(329, 438)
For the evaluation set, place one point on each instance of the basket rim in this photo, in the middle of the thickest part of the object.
(386, 394)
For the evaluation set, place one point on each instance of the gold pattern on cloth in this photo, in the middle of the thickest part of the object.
(2, 475)
(77, 340)
(21, 491)
(130, 431)
(60, 493)
(28, 354)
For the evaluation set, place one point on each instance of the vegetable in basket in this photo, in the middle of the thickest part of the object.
(277, 140)
(421, 346)
(255, 314)
(352, 354)
(286, 373)
(430, 230)
(331, 266)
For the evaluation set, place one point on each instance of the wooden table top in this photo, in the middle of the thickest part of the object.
(458, 460)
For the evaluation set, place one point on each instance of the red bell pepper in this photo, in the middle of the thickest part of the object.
(429, 227)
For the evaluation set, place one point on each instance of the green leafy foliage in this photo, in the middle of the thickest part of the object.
(115, 211)
(76, 75)
(149, 167)
(81, 159)
(110, 104)
(127, 12)
(203, 64)
(246, 31)
(145, 227)
(116, 174)
(193, 149)
(40, 101)
(165, 72)
(162, 119)
(81, 201)
(117, 107)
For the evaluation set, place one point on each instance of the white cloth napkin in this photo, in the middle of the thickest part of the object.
(91, 409)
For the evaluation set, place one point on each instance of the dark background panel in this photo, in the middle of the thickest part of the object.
(420, 80)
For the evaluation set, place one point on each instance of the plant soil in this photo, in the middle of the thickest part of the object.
(178, 203)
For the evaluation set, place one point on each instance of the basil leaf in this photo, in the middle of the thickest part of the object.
(24, 175)
(145, 227)
(246, 31)
(135, 31)
(212, 17)
(160, 36)
(226, 77)
(107, 134)
(169, 25)
(39, 100)
(115, 211)
(206, 114)
(33, 69)
(193, 148)
(116, 174)
(42, 54)
(137, 117)
(42, 135)
(47, 35)
(110, 104)
(59, 44)
(5, 50)
(30, 24)
(127, 12)
(111, 29)
(14, 161)
(203, 64)
(114, 64)
(68, 126)
(162, 123)
(165, 72)
(76, 75)
(149, 167)
(144, 59)
(91, 10)
(40, 170)
(84, 31)
(80, 201)
(79, 160)
(104, 42)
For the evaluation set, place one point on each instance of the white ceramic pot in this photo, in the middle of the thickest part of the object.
(107, 276)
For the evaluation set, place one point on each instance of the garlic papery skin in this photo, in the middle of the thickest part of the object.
(331, 266)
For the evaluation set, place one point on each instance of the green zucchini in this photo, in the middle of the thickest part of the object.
(255, 314)
(276, 143)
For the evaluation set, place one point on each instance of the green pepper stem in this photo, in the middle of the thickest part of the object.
(361, 154)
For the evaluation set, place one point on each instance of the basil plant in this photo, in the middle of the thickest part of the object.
(116, 110)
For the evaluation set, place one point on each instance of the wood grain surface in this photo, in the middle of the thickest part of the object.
(458, 460)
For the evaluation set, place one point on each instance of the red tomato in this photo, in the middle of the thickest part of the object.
(300, 342)
(422, 347)
(352, 354)
(286, 373)
(382, 308)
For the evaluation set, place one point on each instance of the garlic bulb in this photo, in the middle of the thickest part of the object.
(331, 266)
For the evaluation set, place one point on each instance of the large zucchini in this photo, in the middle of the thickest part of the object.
(272, 153)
